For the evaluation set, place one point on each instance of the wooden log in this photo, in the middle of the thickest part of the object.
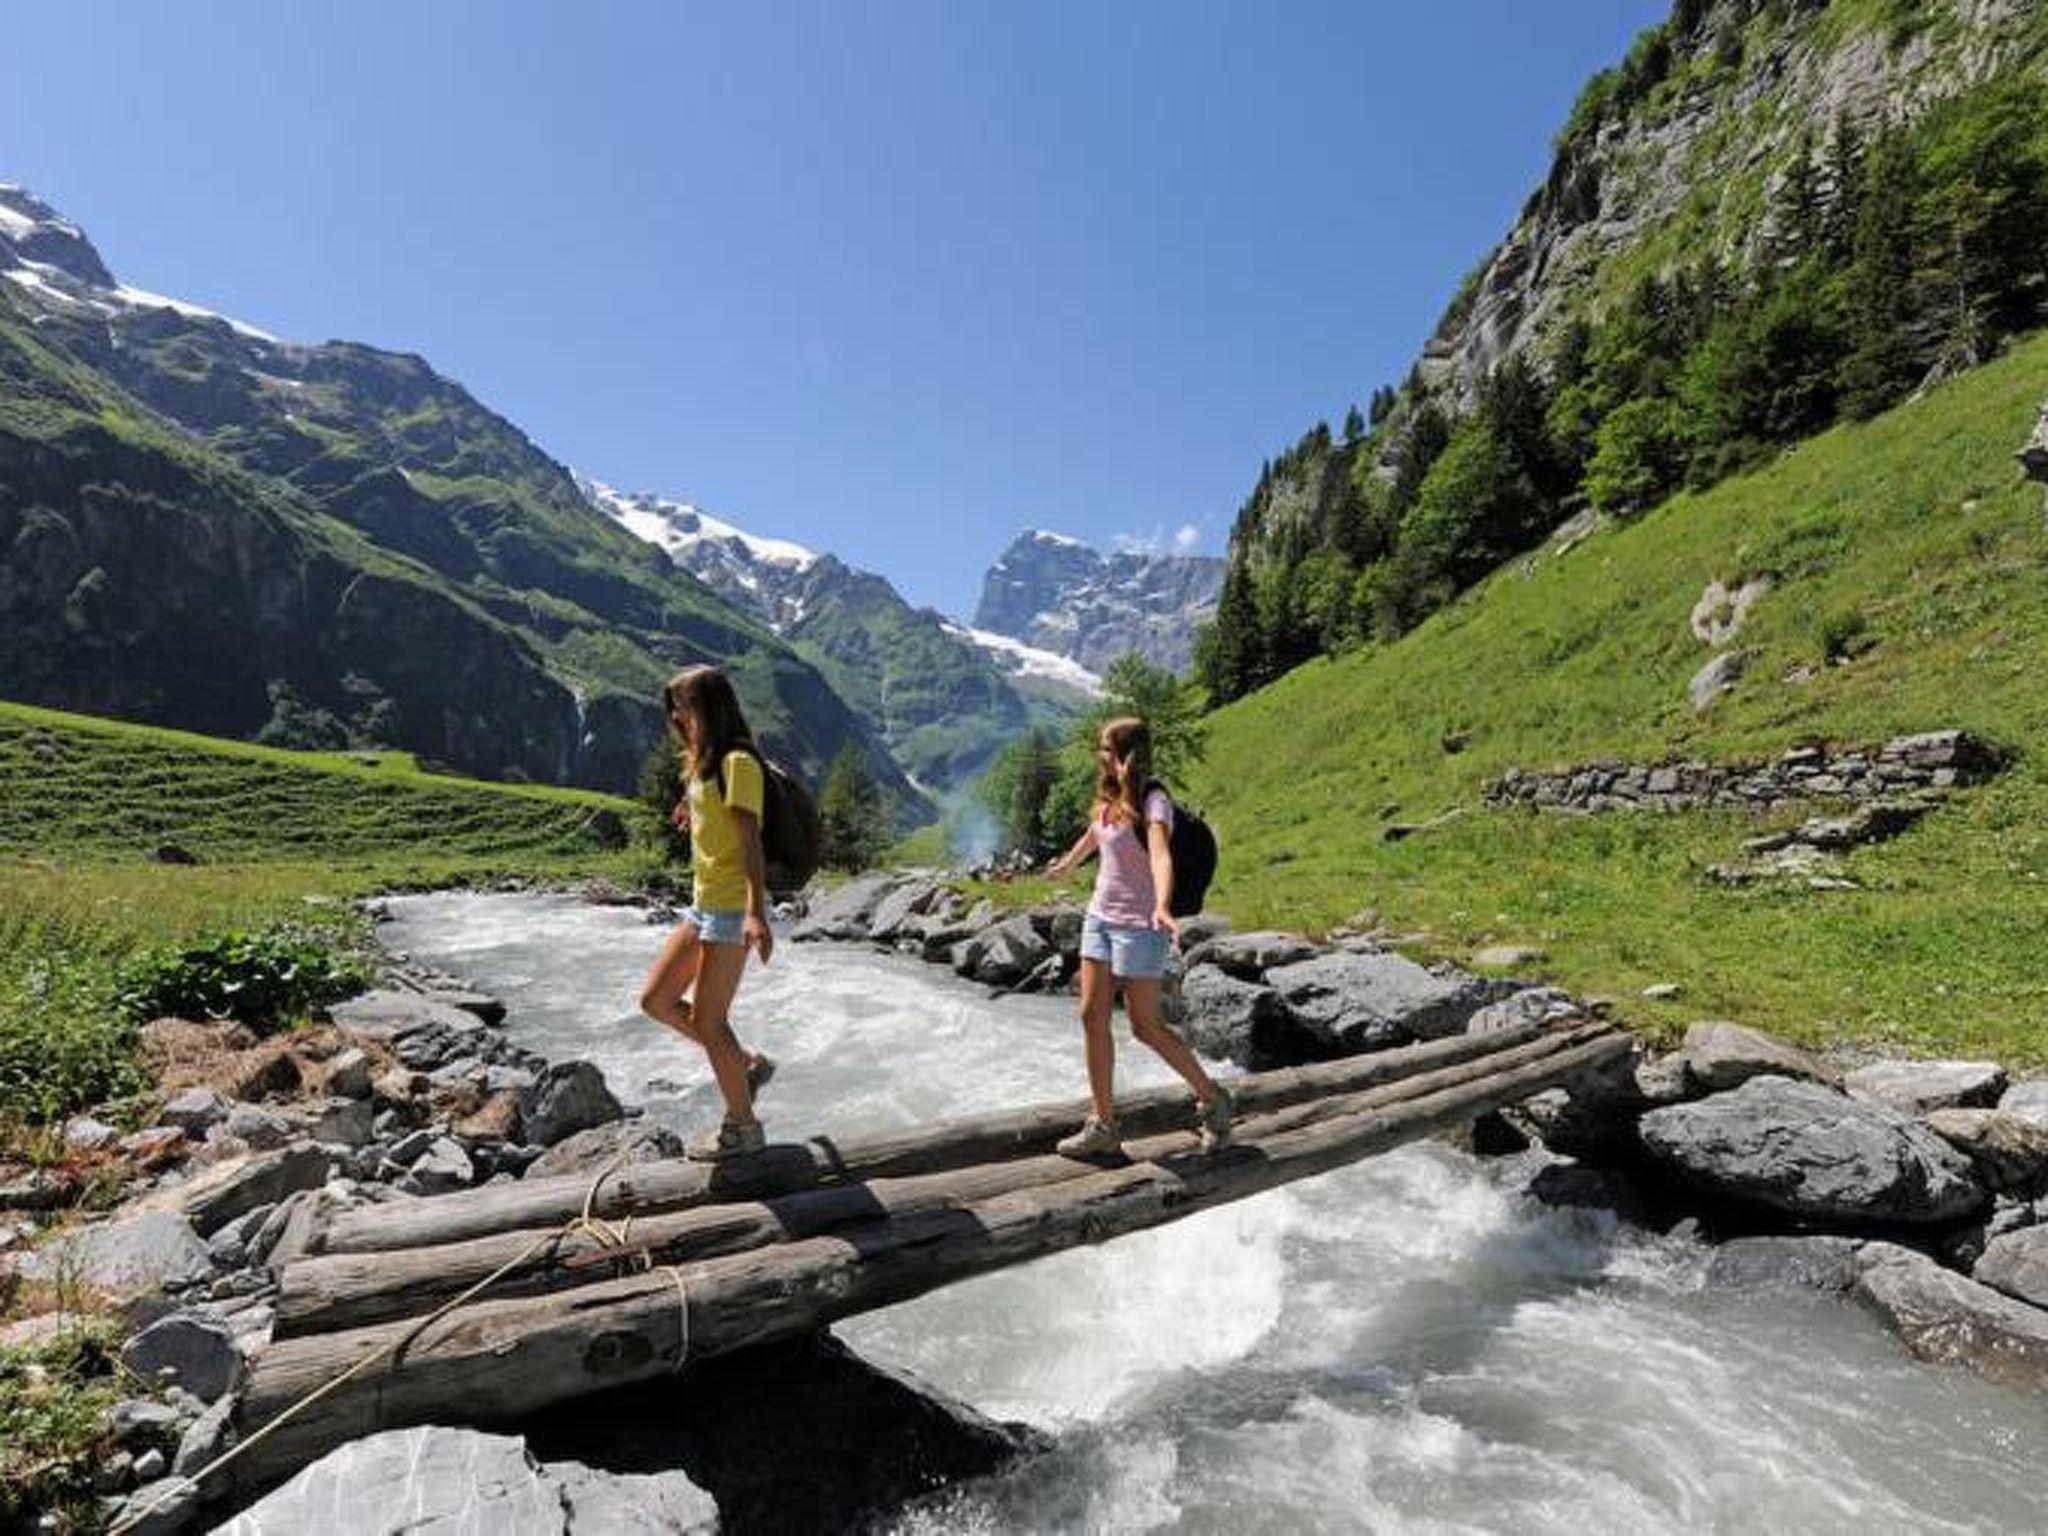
(650, 1188)
(497, 1360)
(345, 1290)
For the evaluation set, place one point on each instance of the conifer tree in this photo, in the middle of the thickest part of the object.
(854, 814)
(1883, 304)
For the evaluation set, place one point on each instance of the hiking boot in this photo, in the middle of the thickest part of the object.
(1212, 1119)
(1096, 1138)
(760, 1072)
(733, 1138)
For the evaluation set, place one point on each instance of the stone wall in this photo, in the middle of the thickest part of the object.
(1929, 763)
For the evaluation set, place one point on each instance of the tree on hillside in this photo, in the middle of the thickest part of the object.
(1228, 662)
(1014, 789)
(854, 813)
(1354, 425)
(1135, 686)
(1638, 455)
(660, 792)
(1428, 433)
(1879, 368)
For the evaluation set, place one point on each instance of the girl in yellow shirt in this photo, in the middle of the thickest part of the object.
(697, 973)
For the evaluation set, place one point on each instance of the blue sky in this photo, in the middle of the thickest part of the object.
(896, 280)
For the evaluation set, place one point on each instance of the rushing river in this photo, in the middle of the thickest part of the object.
(1410, 1344)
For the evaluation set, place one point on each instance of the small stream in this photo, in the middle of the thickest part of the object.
(1410, 1344)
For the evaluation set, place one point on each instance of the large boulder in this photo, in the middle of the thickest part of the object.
(1920, 1086)
(1362, 1002)
(1241, 1021)
(196, 1351)
(126, 1256)
(226, 1191)
(807, 1436)
(1953, 1320)
(568, 1097)
(2017, 1264)
(436, 1479)
(424, 1034)
(1003, 955)
(1530, 1005)
(2010, 1151)
(623, 1142)
(1718, 1056)
(1813, 1153)
(2028, 1099)
(847, 911)
(1785, 1263)
(914, 898)
(1248, 956)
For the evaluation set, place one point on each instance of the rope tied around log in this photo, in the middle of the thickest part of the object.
(605, 1234)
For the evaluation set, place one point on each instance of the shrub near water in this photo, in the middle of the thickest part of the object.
(259, 979)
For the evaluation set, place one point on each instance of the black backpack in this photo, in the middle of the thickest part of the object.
(792, 833)
(1194, 855)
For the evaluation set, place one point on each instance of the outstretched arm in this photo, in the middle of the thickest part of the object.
(1073, 858)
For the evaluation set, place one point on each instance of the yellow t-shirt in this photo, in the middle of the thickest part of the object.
(717, 856)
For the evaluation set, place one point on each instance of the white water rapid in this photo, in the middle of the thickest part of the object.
(1411, 1344)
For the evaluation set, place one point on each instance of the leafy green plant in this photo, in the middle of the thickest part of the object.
(1844, 633)
(54, 1404)
(261, 979)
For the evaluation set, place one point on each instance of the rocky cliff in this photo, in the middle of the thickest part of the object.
(1065, 597)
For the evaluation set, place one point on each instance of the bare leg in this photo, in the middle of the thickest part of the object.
(665, 996)
(1098, 997)
(718, 979)
(1141, 1002)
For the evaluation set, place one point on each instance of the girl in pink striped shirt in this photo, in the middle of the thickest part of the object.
(1125, 934)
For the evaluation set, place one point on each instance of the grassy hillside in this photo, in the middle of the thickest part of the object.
(284, 838)
(1915, 528)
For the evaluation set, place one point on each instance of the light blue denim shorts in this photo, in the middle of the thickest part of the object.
(719, 925)
(1134, 953)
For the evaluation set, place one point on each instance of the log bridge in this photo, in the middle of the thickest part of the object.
(601, 1279)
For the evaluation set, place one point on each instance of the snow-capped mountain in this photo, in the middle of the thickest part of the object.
(944, 695)
(1060, 595)
(50, 257)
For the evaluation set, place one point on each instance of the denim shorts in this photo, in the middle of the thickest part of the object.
(1134, 952)
(719, 925)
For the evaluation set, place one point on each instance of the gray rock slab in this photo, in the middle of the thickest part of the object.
(1248, 956)
(2017, 1264)
(1951, 1319)
(229, 1191)
(197, 1351)
(1811, 1152)
(1716, 678)
(442, 1167)
(1920, 1086)
(2028, 1098)
(447, 1481)
(570, 1096)
(1718, 1056)
(262, 1127)
(1241, 1021)
(2010, 1151)
(1359, 1002)
(161, 1508)
(1531, 1005)
(1004, 954)
(847, 911)
(623, 1141)
(195, 1111)
(1785, 1263)
(912, 899)
(125, 1256)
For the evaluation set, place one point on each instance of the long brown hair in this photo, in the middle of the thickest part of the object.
(1116, 792)
(704, 696)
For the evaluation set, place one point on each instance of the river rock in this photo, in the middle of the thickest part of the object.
(490, 1010)
(1813, 1153)
(337, 1122)
(195, 1111)
(1003, 955)
(1920, 1086)
(848, 911)
(1953, 1320)
(2017, 1264)
(162, 1508)
(1531, 1005)
(570, 1096)
(2010, 1151)
(623, 1142)
(422, 1033)
(894, 910)
(228, 1191)
(1719, 1056)
(259, 1126)
(436, 1479)
(126, 1256)
(198, 1352)
(1248, 956)
(205, 1438)
(85, 1134)
(1362, 1002)
(1241, 1021)
(1778, 1263)
(2028, 1099)
(807, 1437)
(443, 1166)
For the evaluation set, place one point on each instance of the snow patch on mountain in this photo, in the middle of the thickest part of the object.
(682, 529)
(1022, 660)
